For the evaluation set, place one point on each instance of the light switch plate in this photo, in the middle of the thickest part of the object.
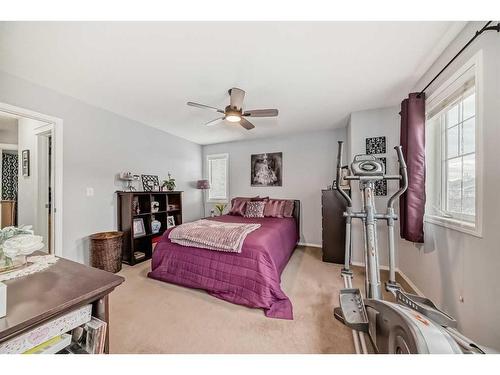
(90, 192)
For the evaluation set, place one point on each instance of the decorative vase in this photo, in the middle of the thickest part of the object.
(155, 226)
(10, 264)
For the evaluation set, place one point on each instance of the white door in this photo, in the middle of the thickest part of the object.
(42, 226)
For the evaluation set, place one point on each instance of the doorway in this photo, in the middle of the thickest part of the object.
(38, 200)
(43, 217)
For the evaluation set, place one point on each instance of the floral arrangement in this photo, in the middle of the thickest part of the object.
(169, 183)
(220, 208)
(15, 242)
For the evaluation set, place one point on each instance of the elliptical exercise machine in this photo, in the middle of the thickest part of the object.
(411, 325)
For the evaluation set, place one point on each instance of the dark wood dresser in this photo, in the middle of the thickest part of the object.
(65, 286)
(332, 209)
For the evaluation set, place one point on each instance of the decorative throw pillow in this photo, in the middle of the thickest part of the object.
(288, 210)
(255, 209)
(274, 208)
(238, 205)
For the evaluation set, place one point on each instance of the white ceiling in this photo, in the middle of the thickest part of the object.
(315, 73)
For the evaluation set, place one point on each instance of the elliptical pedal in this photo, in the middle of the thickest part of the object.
(352, 310)
(425, 307)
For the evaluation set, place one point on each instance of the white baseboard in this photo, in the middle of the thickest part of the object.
(382, 267)
(362, 264)
(310, 244)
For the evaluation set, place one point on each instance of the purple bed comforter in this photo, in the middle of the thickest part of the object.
(250, 278)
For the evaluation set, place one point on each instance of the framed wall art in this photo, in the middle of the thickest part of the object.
(266, 169)
(376, 145)
(25, 160)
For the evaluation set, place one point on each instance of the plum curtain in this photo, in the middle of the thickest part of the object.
(412, 203)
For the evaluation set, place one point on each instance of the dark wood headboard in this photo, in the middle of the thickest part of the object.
(296, 214)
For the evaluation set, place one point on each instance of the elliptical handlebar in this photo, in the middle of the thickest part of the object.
(403, 171)
(339, 174)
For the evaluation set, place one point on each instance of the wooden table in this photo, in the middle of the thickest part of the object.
(61, 288)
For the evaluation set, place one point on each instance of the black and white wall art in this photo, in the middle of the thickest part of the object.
(375, 145)
(381, 186)
(266, 169)
(9, 176)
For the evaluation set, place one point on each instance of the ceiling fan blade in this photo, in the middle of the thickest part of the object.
(237, 96)
(215, 122)
(203, 106)
(246, 124)
(261, 113)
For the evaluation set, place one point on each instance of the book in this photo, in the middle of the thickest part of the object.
(138, 255)
(51, 346)
(95, 336)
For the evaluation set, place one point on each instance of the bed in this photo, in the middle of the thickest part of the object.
(250, 278)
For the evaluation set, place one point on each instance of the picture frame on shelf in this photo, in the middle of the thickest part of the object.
(139, 229)
(170, 222)
(155, 206)
(344, 184)
(150, 182)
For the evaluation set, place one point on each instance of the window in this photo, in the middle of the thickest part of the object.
(218, 176)
(452, 129)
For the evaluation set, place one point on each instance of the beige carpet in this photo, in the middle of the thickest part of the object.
(149, 316)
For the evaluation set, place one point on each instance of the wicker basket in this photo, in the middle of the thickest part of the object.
(106, 251)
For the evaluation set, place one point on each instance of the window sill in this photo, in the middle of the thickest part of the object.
(460, 226)
(222, 201)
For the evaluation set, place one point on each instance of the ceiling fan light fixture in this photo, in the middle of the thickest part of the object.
(233, 118)
(233, 113)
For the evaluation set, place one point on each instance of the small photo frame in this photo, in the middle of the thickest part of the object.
(170, 222)
(150, 182)
(26, 162)
(344, 184)
(155, 206)
(139, 229)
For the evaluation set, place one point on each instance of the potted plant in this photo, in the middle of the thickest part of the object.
(169, 184)
(220, 208)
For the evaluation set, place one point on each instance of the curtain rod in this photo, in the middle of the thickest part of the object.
(486, 27)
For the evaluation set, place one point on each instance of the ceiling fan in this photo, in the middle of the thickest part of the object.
(234, 111)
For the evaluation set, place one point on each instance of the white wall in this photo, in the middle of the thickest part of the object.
(308, 166)
(362, 125)
(97, 145)
(8, 130)
(453, 264)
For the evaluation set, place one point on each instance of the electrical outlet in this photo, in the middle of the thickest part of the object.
(90, 192)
